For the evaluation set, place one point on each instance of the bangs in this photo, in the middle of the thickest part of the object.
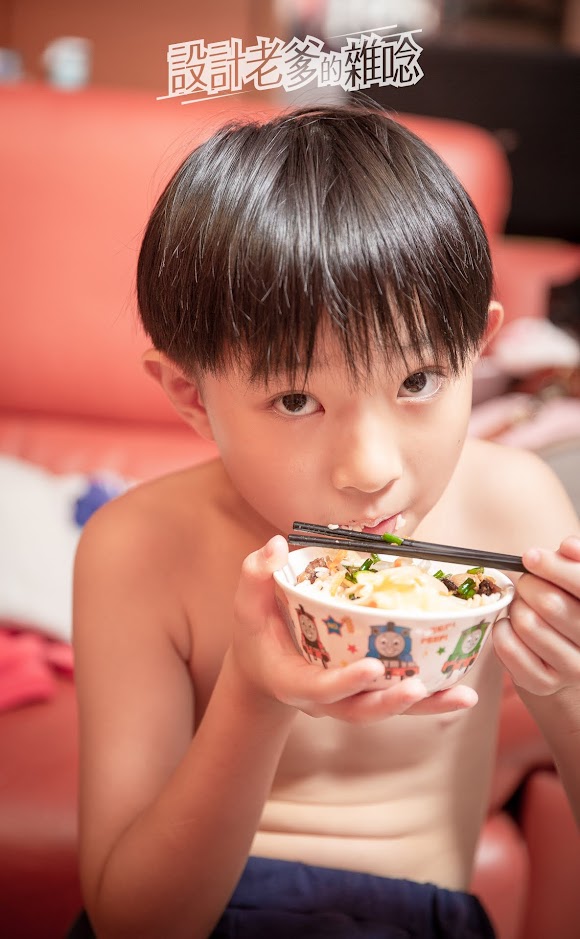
(328, 216)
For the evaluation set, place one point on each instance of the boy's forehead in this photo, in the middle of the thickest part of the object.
(328, 357)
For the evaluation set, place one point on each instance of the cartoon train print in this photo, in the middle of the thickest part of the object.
(391, 644)
(284, 610)
(466, 650)
(311, 642)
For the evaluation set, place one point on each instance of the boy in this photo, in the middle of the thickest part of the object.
(317, 289)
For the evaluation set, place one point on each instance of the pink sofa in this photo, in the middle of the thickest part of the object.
(78, 176)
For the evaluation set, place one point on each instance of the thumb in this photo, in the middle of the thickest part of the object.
(255, 597)
(261, 564)
(276, 553)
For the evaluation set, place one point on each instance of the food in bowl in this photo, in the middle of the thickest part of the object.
(342, 606)
(403, 583)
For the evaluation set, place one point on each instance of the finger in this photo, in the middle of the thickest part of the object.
(552, 605)
(261, 564)
(458, 698)
(254, 596)
(407, 697)
(525, 667)
(557, 567)
(299, 681)
(372, 706)
(547, 643)
(570, 548)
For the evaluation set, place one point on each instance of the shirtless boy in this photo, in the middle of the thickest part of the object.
(317, 289)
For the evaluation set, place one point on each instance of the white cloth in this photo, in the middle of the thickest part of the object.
(38, 540)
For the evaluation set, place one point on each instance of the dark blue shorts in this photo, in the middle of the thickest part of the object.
(287, 900)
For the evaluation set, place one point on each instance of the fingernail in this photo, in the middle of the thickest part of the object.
(276, 545)
(532, 556)
(416, 686)
(375, 670)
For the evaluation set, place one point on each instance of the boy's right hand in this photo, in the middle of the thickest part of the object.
(266, 655)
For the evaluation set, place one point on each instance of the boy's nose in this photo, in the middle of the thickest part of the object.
(368, 459)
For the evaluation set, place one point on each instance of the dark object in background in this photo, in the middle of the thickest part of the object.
(564, 306)
(528, 97)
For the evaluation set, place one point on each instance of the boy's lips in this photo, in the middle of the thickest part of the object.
(377, 526)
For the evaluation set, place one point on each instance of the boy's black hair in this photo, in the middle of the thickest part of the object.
(323, 215)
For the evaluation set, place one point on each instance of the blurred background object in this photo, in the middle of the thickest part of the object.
(513, 67)
(129, 39)
(10, 66)
(67, 61)
(348, 16)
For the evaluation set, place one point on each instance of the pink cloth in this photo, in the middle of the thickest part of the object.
(28, 662)
(523, 420)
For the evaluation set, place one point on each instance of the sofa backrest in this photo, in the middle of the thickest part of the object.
(79, 175)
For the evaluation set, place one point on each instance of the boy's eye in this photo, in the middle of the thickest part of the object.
(421, 385)
(296, 403)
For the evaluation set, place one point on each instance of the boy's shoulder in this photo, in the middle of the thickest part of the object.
(182, 492)
(481, 456)
(139, 550)
(509, 471)
(159, 516)
(515, 492)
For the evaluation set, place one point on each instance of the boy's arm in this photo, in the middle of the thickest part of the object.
(558, 717)
(540, 642)
(540, 645)
(166, 821)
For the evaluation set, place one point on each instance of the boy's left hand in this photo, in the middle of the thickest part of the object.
(539, 643)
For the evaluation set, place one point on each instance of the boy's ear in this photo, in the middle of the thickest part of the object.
(183, 392)
(495, 317)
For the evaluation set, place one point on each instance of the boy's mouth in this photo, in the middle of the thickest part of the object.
(376, 526)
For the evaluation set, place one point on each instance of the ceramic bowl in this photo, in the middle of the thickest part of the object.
(439, 647)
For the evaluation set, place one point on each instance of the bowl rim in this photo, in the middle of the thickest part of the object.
(420, 616)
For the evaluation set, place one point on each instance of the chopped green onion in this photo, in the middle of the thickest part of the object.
(391, 539)
(366, 565)
(476, 570)
(351, 575)
(466, 590)
(439, 575)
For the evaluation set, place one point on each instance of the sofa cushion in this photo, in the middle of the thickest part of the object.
(39, 882)
(79, 176)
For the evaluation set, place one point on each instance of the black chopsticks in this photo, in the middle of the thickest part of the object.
(375, 544)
